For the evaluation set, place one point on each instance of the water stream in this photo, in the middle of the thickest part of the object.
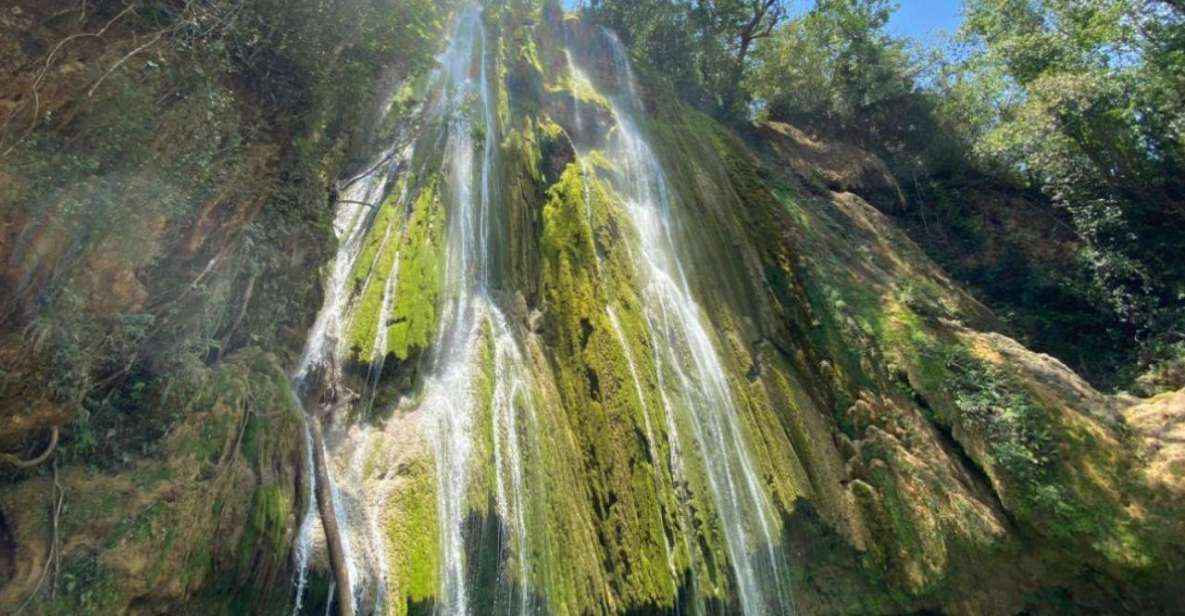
(472, 319)
(693, 383)
(321, 356)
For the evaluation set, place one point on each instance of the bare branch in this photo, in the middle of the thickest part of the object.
(135, 51)
(45, 70)
(53, 559)
(15, 461)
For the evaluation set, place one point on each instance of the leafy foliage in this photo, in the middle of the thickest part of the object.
(1072, 98)
(704, 46)
(835, 66)
(171, 208)
(1074, 104)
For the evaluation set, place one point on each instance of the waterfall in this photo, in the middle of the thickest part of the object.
(468, 312)
(476, 357)
(579, 79)
(449, 388)
(351, 222)
(650, 439)
(692, 380)
(469, 320)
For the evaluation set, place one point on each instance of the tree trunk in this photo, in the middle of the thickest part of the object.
(738, 74)
(333, 538)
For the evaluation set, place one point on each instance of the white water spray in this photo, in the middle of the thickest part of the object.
(469, 312)
(692, 379)
(351, 222)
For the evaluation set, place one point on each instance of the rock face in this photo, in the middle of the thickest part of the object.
(164, 175)
(593, 353)
(207, 521)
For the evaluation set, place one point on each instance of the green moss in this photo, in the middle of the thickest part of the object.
(584, 92)
(566, 232)
(371, 273)
(485, 380)
(88, 588)
(271, 510)
(197, 567)
(413, 539)
(624, 469)
(376, 236)
(1049, 469)
(417, 290)
(551, 131)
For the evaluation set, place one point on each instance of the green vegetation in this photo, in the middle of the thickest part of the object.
(421, 273)
(1041, 154)
(172, 194)
(1038, 457)
(704, 48)
(412, 539)
(165, 174)
(372, 272)
(405, 241)
(1081, 110)
(160, 271)
(835, 68)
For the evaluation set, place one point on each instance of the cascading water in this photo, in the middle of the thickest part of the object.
(469, 313)
(355, 213)
(692, 380)
(476, 358)
(650, 439)
(470, 321)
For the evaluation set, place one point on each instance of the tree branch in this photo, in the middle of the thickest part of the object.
(45, 70)
(15, 461)
(115, 66)
(333, 538)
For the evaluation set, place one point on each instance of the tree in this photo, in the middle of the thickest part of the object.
(1086, 107)
(658, 30)
(836, 70)
(729, 29)
(704, 46)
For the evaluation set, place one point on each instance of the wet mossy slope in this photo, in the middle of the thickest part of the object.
(166, 179)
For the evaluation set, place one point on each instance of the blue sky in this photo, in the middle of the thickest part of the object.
(923, 20)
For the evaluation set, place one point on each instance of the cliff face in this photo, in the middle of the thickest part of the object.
(581, 350)
(165, 171)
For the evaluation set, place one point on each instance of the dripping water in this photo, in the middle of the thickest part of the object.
(471, 319)
(692, 380)
(319, 360)
(650, 442)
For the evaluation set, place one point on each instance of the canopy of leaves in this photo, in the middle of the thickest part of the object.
(703, 46)
(1082, 99)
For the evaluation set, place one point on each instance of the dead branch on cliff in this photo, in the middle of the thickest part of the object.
(34, 90)
(333, 538)
(53, 559)
(17, 462)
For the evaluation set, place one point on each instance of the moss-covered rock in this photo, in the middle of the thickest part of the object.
(208, 520)
(416, 304)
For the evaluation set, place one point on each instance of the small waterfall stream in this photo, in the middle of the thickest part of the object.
(470, 319)
(693, 383)
(320, 357)
(469, 314)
